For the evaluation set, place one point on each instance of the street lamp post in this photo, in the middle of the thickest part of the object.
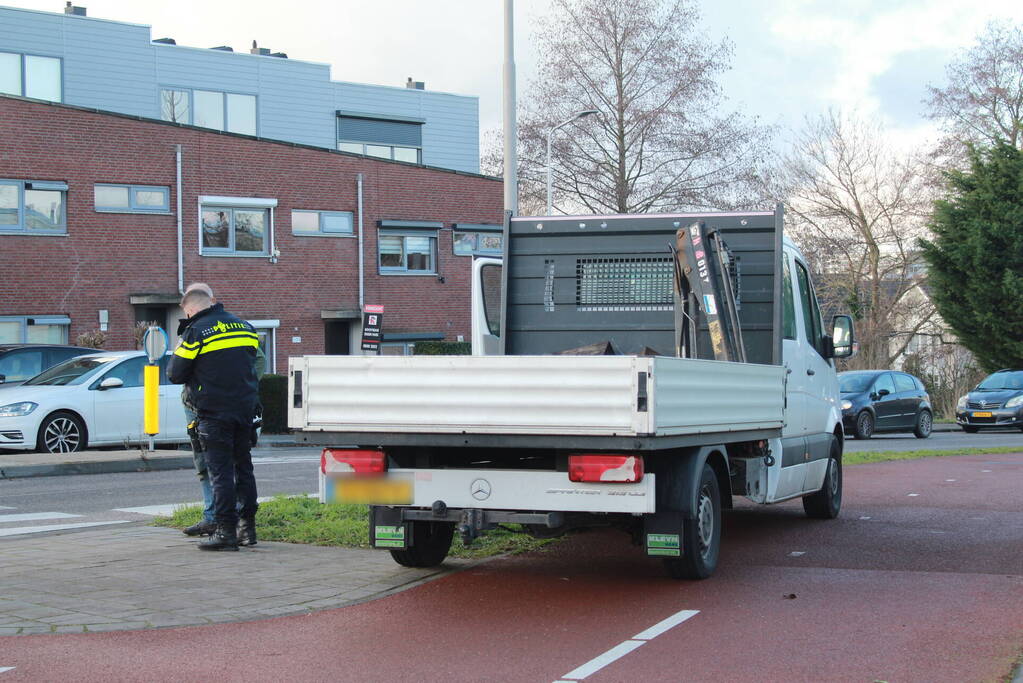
(577, 115)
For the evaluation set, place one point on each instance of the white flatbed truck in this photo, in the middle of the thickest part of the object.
(654, 436)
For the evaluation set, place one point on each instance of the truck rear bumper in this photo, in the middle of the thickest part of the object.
(518, 490)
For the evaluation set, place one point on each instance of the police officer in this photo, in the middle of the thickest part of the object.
(215, 359)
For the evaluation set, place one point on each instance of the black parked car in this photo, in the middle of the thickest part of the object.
(995, 402)
(884, 401)
(19, 362)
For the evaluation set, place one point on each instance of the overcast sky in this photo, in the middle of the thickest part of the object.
(792, 57)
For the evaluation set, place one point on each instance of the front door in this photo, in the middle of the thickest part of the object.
(336, 336)
(119, 410)
(887, 407)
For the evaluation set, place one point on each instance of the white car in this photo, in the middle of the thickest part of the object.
(93, 400)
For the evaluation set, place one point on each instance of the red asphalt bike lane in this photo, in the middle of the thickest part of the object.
(899, 588)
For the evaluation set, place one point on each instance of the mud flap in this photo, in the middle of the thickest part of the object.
(386, 530)
(662, 533)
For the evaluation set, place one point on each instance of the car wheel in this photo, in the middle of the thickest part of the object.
(431, 542)
(826, 503)
(61, 432)
(701, 537)
(924, 424)
(864, 425)
(970, 430)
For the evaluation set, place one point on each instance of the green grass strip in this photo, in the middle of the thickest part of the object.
(864, 457)
(300, 519)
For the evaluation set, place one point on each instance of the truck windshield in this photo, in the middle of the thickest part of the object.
(853, 383)
(1002, 380)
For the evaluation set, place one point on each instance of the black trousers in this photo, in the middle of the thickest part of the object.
(226, 443)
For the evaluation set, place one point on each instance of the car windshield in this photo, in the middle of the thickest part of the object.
(74, 371)
(855, 382)
(1002, 380)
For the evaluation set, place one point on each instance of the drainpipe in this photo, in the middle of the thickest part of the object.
(362, 292)
(181, 253)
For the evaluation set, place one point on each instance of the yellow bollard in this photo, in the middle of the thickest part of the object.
(151, 399)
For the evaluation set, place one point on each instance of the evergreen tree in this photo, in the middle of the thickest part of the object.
(976, 256)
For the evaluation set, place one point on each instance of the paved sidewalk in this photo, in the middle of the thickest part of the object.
(141, 577)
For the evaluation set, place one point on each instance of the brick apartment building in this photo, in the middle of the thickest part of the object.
(90, 229)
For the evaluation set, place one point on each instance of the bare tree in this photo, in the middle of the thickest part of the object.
(856, 209)
(983, 98)
(660, 141)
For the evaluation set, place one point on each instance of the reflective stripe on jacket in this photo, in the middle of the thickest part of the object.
(215, 360)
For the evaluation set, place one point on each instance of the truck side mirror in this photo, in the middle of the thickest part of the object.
(843, 343)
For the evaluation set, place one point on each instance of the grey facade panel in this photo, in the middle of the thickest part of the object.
(114, 66)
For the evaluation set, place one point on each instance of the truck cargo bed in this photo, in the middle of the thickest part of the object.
(616, 401)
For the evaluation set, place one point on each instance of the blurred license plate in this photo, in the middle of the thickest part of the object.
(380, 491)
(984, 413)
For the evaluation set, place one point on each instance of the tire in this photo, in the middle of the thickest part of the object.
(970, 430)
(864, 425)
(827, 503)
(61, 432)
(431, 542)
(701, 537)
(924, 425)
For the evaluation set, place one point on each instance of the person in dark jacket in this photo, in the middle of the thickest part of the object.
(215, 359)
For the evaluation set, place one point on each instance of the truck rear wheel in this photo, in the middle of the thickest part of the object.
(701, 537)
(431, 542)
(826, 503)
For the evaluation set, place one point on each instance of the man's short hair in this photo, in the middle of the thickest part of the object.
(196, 297)
(200, 286)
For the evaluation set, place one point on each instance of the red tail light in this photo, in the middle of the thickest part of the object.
(361, 462)
(605, 467)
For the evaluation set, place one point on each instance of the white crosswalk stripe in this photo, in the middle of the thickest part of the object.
(34, 516)
(19, 531)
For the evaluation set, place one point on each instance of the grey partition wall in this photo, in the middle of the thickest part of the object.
(576, 281)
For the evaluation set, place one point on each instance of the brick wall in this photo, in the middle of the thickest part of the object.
(107, 257)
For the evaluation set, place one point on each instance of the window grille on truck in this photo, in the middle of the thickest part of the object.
(623, 284)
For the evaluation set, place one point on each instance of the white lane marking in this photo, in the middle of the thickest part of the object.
(34, 516)
(155, 510)
(277, 461)
(950, 480)
(168, 510)
(913, 495)
(624, 648)
(4, 507)
(864, 518)
(797, 553)
(599, 662)
(17, 531)
(662, 626)
(985, 470)
(6, 668)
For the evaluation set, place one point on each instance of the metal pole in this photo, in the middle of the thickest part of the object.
(511, 160)
(577, 115)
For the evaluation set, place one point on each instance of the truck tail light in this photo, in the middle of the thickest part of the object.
(605, 467)
(362, 462)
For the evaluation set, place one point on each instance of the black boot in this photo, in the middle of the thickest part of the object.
(224, 538)
(247, 531)
(200, 528)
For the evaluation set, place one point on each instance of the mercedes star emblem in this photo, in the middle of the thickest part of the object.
(480, 489)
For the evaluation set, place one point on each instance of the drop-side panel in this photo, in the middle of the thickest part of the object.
(702, 396)
(585, 395)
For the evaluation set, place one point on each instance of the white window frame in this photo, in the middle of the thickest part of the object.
(133, 191)
(48, 185)
(254, 203)
(321, 231)
(271, 326)
(58, 320)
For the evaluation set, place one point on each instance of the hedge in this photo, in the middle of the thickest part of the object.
(443, 348)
